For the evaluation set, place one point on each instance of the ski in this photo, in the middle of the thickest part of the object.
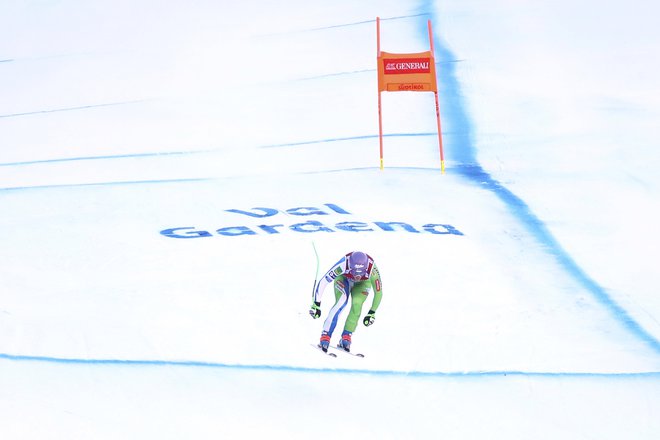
(347, 352)
(324, 352)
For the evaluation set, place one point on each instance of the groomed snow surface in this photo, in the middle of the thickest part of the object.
(170, 171)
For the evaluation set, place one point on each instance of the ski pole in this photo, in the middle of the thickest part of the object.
(316, 276)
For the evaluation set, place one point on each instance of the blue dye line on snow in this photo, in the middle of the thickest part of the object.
(199, 179)
(354, 72)
(330, 75)
(286, 368)
(68, 109)
(357, 23)
(462, 150)
(343, 139)
(120, 183)
(193, 152)
(116, 156)
(342, 25)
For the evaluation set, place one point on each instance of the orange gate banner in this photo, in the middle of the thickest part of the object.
(406, 72)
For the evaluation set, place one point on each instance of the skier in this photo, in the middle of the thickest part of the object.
(355, 276)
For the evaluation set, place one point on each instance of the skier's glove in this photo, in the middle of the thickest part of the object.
(315, 310)
(369, 318)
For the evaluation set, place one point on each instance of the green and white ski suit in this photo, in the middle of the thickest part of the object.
(347, 287)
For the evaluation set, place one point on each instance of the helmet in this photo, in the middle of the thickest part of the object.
(357, 264)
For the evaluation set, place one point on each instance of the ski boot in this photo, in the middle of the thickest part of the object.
(325, 341)
(345, 342)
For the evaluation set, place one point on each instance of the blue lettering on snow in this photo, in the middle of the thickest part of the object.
(305, 210)
(267, 212)
(173, 232)
(308, 227)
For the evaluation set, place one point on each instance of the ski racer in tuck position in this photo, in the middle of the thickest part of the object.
(355, 276)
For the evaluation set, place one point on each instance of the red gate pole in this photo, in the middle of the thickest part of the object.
(437, 106)
(380, 114)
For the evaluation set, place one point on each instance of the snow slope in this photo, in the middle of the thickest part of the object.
(168, 170)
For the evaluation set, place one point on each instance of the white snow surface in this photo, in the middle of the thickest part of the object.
(520, 287)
